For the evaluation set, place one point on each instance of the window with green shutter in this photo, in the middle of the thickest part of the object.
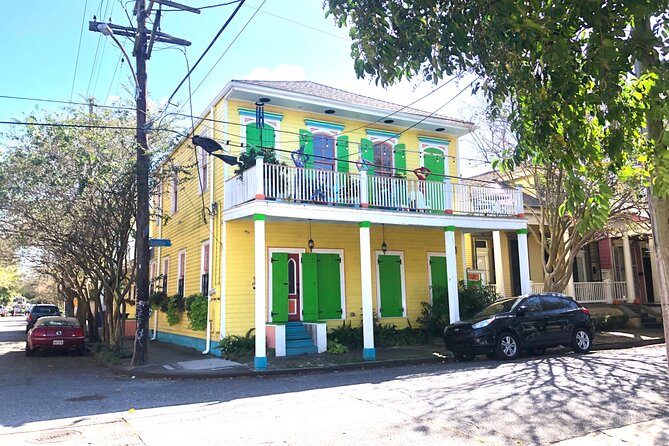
(400, 159)
(309, 287)
(307, 141)
(438, 279)
(279, 287)
(367, 153)
(390, 285)
(342, 154)
(329, 286)
(257, 138)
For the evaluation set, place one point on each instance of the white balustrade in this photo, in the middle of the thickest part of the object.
(304, 185)
(605, 291)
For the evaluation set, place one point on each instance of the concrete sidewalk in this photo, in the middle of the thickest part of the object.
(175, 362)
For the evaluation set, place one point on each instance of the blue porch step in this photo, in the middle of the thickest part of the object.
(298, 340)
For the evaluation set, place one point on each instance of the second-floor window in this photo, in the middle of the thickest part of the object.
(175, 192)
(324, 152)
(181, 274)
(383, 158)
(203, 165)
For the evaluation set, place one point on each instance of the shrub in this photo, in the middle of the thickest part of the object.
(435, 317)
(347, 335)
(197, 311)
(610, 321)
(175, 306)
(237, 347)
(336, 348)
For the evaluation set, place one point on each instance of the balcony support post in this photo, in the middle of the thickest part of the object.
(260, 171)
(451, 274)
(499, 264)
(629, 271)
(524, 262)
(368, 351)
(260, 360)
(364, 191)
(448, 196)
(520, 206)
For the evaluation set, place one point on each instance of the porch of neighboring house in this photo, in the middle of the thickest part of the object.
(612, 270)
(329, 247)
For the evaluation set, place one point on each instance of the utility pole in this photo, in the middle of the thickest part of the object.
(143, 45)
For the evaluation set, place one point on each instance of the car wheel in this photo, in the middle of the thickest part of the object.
(536, 351)
(581, 341)
(29, 351)
(507, 346)
(81, 351)
(463, 357)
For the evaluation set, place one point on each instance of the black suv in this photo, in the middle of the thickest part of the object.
(39, 310)
(532, 322)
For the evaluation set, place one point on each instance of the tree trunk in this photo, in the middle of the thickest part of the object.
(659, 215)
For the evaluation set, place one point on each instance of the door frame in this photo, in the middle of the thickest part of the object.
(431, 254)
(342, 278)
(402, 279)
(270, 251)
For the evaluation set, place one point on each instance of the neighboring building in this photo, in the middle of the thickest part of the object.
(347, 226)
(615, 266)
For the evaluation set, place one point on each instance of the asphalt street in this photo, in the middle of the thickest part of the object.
(72, 400)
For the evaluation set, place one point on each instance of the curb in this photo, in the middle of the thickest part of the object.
(139, 373)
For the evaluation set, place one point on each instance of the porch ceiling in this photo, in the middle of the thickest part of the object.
(297, 212)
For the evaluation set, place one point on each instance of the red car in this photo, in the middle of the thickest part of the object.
(56, 333)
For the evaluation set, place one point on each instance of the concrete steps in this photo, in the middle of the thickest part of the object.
(298, 340)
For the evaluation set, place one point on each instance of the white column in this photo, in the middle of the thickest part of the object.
(524, 262)
(629, 270)
(499, 269)
(260, 360)
(463, 255)
(448, 196)
(260, 172)
(570, 290)
(368, 351)
(653, 269)
(451, 274)
(364, 193)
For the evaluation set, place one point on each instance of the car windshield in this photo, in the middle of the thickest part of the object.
(502, 306)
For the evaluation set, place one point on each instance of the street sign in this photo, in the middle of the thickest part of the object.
(160, 242)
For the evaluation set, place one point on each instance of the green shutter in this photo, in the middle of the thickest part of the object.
(439, 281)
(268, 139)
(307, 140)
(252, 137)
(367, 153)
(309, 287)
(342, 153)
(400, 159)
(390, 279)
(434, 160)
(279, 287)
(329, 286)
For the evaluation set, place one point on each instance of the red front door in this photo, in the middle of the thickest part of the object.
(293, 287)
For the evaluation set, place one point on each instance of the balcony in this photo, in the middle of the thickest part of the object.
(360, 190)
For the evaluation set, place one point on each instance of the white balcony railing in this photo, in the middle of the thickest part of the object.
(303, 185)
(606, 291)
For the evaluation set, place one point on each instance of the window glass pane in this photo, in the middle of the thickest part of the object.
(383, 158)
(292, 282)
(324, 152)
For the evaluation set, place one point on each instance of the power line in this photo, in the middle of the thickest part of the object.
(226, 50)
(220, 31)
(81, 34)
(84, 126)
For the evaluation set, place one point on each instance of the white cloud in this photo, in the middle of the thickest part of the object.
(282, 72)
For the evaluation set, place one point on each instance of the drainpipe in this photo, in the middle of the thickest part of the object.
(211, 236)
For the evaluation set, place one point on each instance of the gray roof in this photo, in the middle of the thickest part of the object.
(325, 92)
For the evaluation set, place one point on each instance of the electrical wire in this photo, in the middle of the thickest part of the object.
(204, 7)
(225, 52)
(84, 126)
(81, 34)
(220, 31)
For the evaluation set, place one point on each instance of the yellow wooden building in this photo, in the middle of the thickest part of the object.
(363, 214)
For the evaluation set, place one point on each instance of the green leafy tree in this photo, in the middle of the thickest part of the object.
(567, 68)
(10, 283)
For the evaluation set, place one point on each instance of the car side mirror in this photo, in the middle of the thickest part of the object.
(522, 310)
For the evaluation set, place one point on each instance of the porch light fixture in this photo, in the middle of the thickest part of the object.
(389, 121)
(439, 129)
(210, 146)
(384, 247)
(310, 242)
(329, 111)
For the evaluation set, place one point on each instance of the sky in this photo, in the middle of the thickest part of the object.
(48, 53)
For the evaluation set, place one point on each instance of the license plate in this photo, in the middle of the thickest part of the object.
(57, 342)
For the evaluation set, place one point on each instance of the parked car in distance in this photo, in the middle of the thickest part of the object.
(56, 333)
(532, 322)
(40, 310)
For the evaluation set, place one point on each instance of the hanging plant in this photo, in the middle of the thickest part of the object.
(175, 306)
(197, 312)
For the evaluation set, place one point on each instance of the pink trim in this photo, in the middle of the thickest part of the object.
(449, 211)
(260, 197)
(364, 205)
(521, 215)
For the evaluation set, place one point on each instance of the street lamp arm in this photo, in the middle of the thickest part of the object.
(107, 31)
